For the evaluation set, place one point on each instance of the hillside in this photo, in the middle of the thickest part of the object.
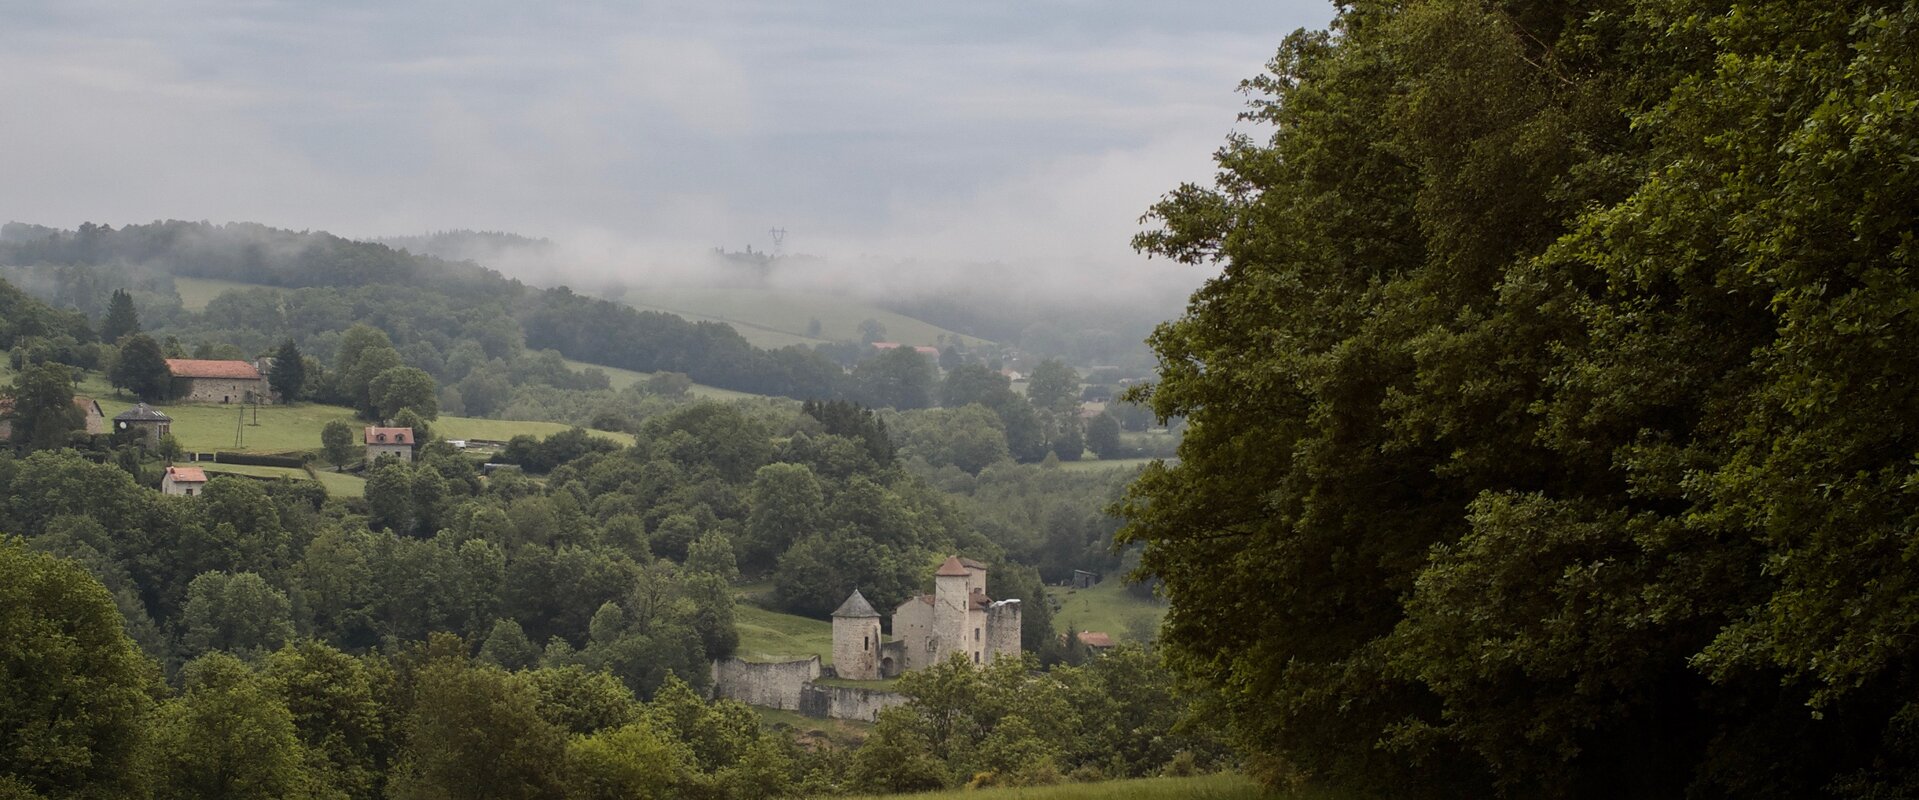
(772, 636)
(1203, 787)
(1108, 608)
(782, 317)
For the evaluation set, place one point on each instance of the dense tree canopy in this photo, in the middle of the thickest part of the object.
(1552, 416)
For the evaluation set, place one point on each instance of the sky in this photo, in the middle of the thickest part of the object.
(1031, 134)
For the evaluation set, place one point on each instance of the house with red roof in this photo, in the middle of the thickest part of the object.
(395, 442)
(183, 481)
(197, 380)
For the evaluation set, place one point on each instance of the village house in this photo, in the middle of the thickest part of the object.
(94, 420)
(183, 481)
(150, 423)
(204, 381)
(958, 617)
(396, 442)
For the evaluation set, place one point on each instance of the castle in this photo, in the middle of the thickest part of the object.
(958, 617)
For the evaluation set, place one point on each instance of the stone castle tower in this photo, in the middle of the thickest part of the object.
(958, 617)
(856, 639)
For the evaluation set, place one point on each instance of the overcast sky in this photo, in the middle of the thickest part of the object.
(1012, 131)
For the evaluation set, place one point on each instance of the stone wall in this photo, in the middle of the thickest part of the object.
(846, 702)
(789, 686)
(1002, 629)
(219, 390)
(777, 685)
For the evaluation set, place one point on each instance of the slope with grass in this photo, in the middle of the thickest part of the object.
(195, 293)
(790, 314)
(282, 428)
(622, 378)
(772, 636)
(1108, 608)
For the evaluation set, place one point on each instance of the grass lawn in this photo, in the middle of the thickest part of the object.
(1107, 608)
(791, 313)
(252, 471)
(623, 378)
(195, 293)
(207, 428)
(341, 484)
(880, 685)
(773, 636)
(503, 429)
(1203, 787)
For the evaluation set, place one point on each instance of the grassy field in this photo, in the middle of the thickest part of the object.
(773, 636)
(253, 471)
(789, 314)
(1107, 608)
(195, 293)
(502, 429)
(341, 484)
(623, 378)
(1203, 787)
(206, 428)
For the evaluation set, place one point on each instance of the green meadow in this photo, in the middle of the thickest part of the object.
(1107, 608)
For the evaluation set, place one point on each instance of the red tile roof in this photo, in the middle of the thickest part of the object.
(951, 568)
(187, 474)
(202, 368)
(1095, 639)
(378, 435)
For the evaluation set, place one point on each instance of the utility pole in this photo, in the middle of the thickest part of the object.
(779, 240)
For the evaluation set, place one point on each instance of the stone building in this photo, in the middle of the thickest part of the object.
(958, 617)
(202, 381)
(151, 423)
(96, 420)
(396, 442)
(183, 481)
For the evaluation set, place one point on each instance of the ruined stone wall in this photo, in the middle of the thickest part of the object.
(776, 685)
(1002, 630)
(846, 702)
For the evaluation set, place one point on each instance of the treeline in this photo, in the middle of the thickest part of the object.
(479, 303)
(1555, 407)
(86, 715)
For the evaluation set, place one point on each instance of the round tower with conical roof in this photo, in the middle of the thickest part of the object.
(856, 639)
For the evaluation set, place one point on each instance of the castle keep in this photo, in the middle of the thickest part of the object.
(958, 617)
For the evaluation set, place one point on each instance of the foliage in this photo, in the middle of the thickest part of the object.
(289, 373)
(1547, 410)
(337, 442)
(73, 687)
(121, 320)
(43, 413)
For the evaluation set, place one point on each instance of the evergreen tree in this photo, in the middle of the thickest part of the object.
(289, 373)
(122, 320)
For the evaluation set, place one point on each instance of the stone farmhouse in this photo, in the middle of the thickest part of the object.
(396, 442)
(203, 381)
(958, 617)
(183, 481)
(152, 424)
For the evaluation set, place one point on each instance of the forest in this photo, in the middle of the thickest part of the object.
(1554, 406)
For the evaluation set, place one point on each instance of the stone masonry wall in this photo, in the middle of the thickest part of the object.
(777, 685)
